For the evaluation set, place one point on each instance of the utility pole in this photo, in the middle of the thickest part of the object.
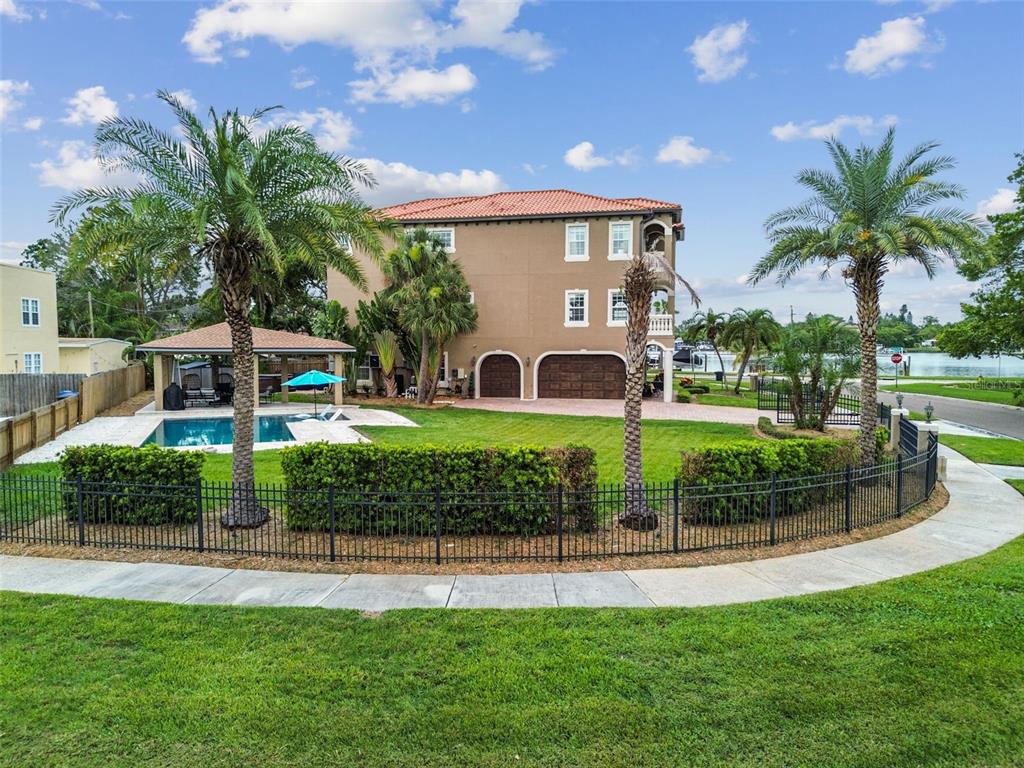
(92, 324)
(790, 314)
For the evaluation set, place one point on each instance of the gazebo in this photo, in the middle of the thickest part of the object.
(215, 340)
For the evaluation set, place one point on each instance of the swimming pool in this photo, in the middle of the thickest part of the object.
(183, 433)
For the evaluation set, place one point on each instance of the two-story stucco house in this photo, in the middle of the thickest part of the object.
(28, 321)
(545, 270)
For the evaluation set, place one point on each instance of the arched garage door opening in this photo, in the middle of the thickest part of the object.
(586, 376)
(500, 376)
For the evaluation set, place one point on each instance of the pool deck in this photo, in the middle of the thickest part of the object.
(133, 430)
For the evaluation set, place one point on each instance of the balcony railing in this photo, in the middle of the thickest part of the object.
(660, 325)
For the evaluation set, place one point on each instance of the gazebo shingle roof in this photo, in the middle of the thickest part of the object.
(216, 339)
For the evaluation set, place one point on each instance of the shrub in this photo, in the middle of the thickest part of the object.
(770, 429)
(685, 381)
(881, 440)
(698, 389)
(133, 486)
(387, 489)
(750, 465)
(682, 397)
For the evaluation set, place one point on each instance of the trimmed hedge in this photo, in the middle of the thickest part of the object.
(140, 486)
(506, 490)
(682, 397)
(698, 389)
(770, 429)
(755, 461)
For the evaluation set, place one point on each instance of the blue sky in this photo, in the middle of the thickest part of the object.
(712, 105)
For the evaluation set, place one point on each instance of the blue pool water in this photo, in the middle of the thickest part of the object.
(180, 433)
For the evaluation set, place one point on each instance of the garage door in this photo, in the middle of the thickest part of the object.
(499, 376)
(582, 376)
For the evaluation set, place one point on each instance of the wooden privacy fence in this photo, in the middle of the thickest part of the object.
(21, 392)
(39, 426)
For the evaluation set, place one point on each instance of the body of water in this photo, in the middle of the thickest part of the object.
(921, 364)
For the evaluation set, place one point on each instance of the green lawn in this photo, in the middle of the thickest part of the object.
(717, 396)
(987, 450)
(662, 440)
(925, 670)
(1018, 484)
(1002, 396)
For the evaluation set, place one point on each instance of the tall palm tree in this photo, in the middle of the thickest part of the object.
(431, 295)
(244, 198)
(638, 283)
(749, 330)
(866, 216)
(709, 325)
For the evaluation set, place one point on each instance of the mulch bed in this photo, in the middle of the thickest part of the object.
(578, 543)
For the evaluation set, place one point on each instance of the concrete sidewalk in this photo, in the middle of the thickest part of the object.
(983, 513)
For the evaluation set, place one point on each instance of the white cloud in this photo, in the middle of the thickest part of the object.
(186, 98)
(32, 123)
(682, 151)
(90, 105)
(398, 182)
(391, 41)
(1003, 201)
(9, 9)
(301, 79)
(532, 169)
(411, 85)
(10, 90)
(76, 167)
(889, 49)
(719, 55)
(10, 250)
(333, 130)
(863, 124)
(583, 157)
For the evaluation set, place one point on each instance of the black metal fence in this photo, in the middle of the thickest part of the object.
(440, 526)
(775, 394)
(908, 436)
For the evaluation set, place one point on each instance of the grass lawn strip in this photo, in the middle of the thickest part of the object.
(1000, 396)
(987, 450)
(925, 670)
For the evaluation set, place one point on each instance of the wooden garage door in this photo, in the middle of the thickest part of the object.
(584, 376)
(499, 376)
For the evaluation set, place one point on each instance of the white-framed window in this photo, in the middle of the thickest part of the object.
(33, 362)
(616, 307)
(576, 310)
(447, 236)
(577, 242)
(30, 312)
(620, 240)
(442, 375)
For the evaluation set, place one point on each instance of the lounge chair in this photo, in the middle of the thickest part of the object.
(267, 396)
(193, 396)
(209, 396)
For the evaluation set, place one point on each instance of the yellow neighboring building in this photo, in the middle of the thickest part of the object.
(28, 321)
(90, 356)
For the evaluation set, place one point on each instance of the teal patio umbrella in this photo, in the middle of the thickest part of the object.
(314, 379)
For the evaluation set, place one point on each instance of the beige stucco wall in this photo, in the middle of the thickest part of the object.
(519, 276)
(104, 356)
(16, 339)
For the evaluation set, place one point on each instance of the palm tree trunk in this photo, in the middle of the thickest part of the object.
(721, 363)
(244, 510)
(423, 379)
(743, 367)
(638, 285)
(390, 383)
(868, 313)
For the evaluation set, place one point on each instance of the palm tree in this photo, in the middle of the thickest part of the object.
(638, 283)
(243, 198)
(866, 216)
(430, 292)
(386, 344)
(749, 331)
(709, 325)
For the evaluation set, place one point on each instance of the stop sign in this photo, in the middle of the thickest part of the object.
(896, 358)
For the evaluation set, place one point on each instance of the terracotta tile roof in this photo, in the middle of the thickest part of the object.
(536, 204)
(217, 339)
